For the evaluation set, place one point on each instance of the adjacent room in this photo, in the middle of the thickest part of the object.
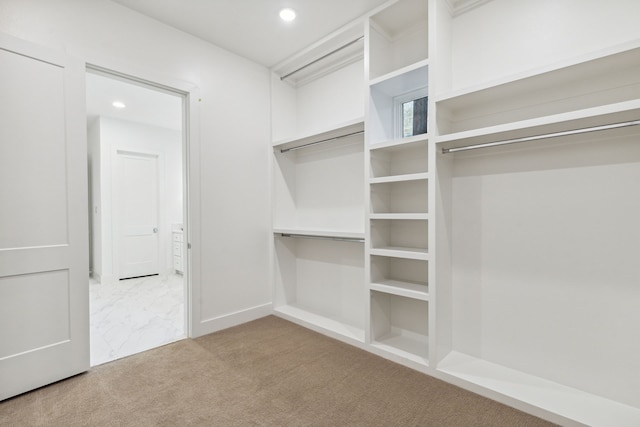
(286, 212)
(136, 204)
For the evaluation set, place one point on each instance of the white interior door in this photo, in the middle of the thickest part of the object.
(44, 301)
(138, 214)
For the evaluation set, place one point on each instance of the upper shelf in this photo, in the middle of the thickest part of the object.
(406, 79)
(341, 130)
(398, 36)
(549, 125)
(610, 76)
(333, 52)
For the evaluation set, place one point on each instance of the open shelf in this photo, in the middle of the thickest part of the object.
(400, 144)
(332, 133)
(420, 216)
(411, 235)
(399, 325)
(321, 283)
(323, 324)
(541, 265)
(405, 289)
(571, 121)
(399, 160)
(386, 96)
(320, 187)
(398, 276)
(398, 37)
(402, 197)
(568, 402)
(400, 178)
(574, 85)
(401, 252)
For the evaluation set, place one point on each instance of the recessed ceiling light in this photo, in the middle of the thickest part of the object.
(287, 14)
(118, 104)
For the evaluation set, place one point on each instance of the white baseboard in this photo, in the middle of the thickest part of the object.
(215, 324)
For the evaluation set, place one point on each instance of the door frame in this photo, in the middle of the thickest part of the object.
(189, 94)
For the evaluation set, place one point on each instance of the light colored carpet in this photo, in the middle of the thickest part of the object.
(269, 372)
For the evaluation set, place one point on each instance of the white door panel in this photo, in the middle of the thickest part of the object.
(138, 214)
(44, 313)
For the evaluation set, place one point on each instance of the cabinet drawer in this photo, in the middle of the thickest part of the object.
(177, 249)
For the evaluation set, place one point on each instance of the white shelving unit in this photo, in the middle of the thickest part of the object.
(497, 249)
(318, 178)
(399, 180)
(535, 277)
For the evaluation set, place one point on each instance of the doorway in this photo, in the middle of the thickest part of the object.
(137, 210)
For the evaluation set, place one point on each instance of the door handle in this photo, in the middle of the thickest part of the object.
(155, 230)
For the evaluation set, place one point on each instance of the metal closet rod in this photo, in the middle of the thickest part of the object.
(340, 239)
(322, 57)
(284, 150)
(543, 136)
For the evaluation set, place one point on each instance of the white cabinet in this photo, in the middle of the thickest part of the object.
(178, 251)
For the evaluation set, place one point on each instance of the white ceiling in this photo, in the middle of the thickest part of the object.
(143, 105)
(252, 28)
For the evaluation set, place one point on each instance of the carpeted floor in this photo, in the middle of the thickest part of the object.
(269, 372)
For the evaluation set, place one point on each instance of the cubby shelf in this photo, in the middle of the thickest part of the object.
(403, 80)
(400, 143)
(398, 36)
(413, 347)
(399, 325)
(400, 178)
(400, 252)
(417, 291)
(565, 401)
(400, 216)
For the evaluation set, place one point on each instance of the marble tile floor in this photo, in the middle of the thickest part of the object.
(134, 315)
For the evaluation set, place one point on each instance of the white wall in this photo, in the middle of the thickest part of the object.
(114, 135)
(229, 163)
(504, 37)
